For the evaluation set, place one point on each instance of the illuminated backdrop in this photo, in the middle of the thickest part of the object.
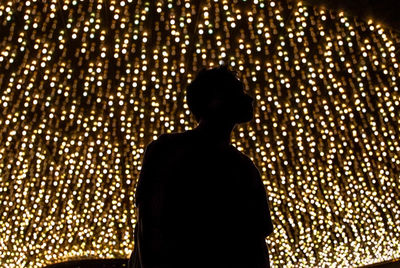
(86, 85)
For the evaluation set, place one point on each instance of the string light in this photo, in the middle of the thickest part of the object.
(86, 85)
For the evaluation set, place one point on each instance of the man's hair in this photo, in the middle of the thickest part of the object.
(206, 83)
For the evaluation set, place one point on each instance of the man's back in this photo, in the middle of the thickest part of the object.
(200, 206)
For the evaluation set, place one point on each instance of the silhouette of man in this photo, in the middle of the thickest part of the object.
(201, 202)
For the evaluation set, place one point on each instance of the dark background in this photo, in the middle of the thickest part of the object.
(385, 12)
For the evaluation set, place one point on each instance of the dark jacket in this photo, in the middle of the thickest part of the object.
(199, 206)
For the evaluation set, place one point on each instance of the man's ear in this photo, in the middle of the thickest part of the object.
(214, 104)
(213, 108)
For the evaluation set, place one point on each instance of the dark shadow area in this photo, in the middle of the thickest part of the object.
(98, 263)
(201, 202)
(381, 11)
(123, 263)
(386, 264)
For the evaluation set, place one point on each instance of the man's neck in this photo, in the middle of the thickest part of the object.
(215, 132)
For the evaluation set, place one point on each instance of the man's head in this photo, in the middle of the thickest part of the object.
(217, 94)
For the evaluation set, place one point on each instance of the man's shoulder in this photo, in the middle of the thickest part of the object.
(169, 138)
(246, 159)
(172, 136)
(240, 153)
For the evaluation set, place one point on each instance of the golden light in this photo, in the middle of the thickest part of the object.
(85, 86)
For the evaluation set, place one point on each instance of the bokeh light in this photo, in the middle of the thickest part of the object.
(85, 86)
